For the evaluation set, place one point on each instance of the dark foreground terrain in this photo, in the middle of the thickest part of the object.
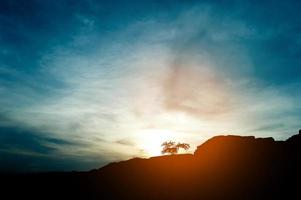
(224, 167)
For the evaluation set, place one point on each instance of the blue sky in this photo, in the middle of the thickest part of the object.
(84, 83)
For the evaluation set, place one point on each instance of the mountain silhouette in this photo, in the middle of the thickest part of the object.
(224, 167)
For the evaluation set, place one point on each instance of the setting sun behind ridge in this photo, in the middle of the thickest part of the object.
(152, 140)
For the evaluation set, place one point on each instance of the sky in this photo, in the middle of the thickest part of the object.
(85, 83)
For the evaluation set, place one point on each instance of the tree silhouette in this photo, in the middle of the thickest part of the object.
(173, 148)
(184, 146)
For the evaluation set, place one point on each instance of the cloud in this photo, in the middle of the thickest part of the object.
(195, 90)
(28, 150)
(126, 142)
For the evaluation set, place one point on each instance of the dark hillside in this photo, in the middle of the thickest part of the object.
(224, 167)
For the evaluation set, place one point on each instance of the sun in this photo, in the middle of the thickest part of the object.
(150, 140)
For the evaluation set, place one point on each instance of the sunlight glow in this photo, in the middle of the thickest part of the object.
(150, 140)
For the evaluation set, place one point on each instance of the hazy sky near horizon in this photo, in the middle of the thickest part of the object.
(83, 83)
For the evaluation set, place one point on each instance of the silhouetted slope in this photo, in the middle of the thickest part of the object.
(224, 167)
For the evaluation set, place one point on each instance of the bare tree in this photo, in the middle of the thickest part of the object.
(173, 148)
